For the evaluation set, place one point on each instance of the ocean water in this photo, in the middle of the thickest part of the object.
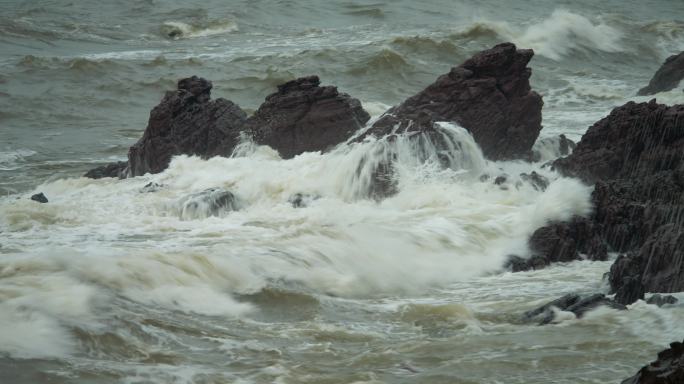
(112, 282)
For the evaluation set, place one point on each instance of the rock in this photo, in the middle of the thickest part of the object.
(186, 122)
(575, 303)
(489, 95)
(151, 187)
(635, 158)
(633, 141)
(302, 117)
(118, 169)
(551, 148)
(516, 263)
(660, 300)
(667, 369)
(538, 182)
(563, 242)
(210, 202)
(39, 197)
(667, 77)
(301, 200)
(658, 266)
(500, 179)
(631, 289)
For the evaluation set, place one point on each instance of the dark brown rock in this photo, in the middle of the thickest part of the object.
(572, 302)
(562, 242)
(302, 117)
(40, 198)
(635, 157)
(667, 77)
(661, 300)
(118, 169)
(186, 122)
(667, 369)
(489, 95)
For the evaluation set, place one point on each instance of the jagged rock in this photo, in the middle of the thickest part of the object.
(562, 242)
(40, 197)
(186, 122)
(658, 266)
(631, 289)
(633, 141)
(635, 158)
(660, 300)
(500, 179)
(117, 169)
(667, 77)
(489, 95)
(667, 369)
(302, 117)
(575, 303)
(210, 202)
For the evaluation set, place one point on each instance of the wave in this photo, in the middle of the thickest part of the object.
(555, 37)
(179, 30)
(12, 160)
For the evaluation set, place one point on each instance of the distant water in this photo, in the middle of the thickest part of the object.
(111, 283)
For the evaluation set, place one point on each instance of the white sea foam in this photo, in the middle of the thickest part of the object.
(556, 36)
(181, 30)
(107, 238)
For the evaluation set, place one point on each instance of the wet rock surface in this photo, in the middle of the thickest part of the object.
(661, 300)
(117, 169)
(210, 202)
(303, 116)
(561, 242)
(186, 122)
(667, 369)
(668, 76)
(40, 198)
(635, 159)
(489, 95)
(575, 303)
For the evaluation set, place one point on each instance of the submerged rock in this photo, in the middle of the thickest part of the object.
(660, 300)
(210, 202)
(302, 200)
(40, 197)
(489, 95)
(667, 369)
(537, 181)
(186, 122)
(303, 116)
(667, 77)
(575, 303)
(551, 148)
(118, 170)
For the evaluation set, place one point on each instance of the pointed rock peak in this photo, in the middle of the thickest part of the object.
(198, 86)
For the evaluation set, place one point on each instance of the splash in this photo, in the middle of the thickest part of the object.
(555, 37)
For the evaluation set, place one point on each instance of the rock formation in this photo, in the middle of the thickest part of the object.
(117, 169)
(489, 95)
(303, 117)
(186, 122)
(667, 77)
(667, 369)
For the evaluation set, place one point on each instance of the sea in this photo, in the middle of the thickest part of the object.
(113, 282)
